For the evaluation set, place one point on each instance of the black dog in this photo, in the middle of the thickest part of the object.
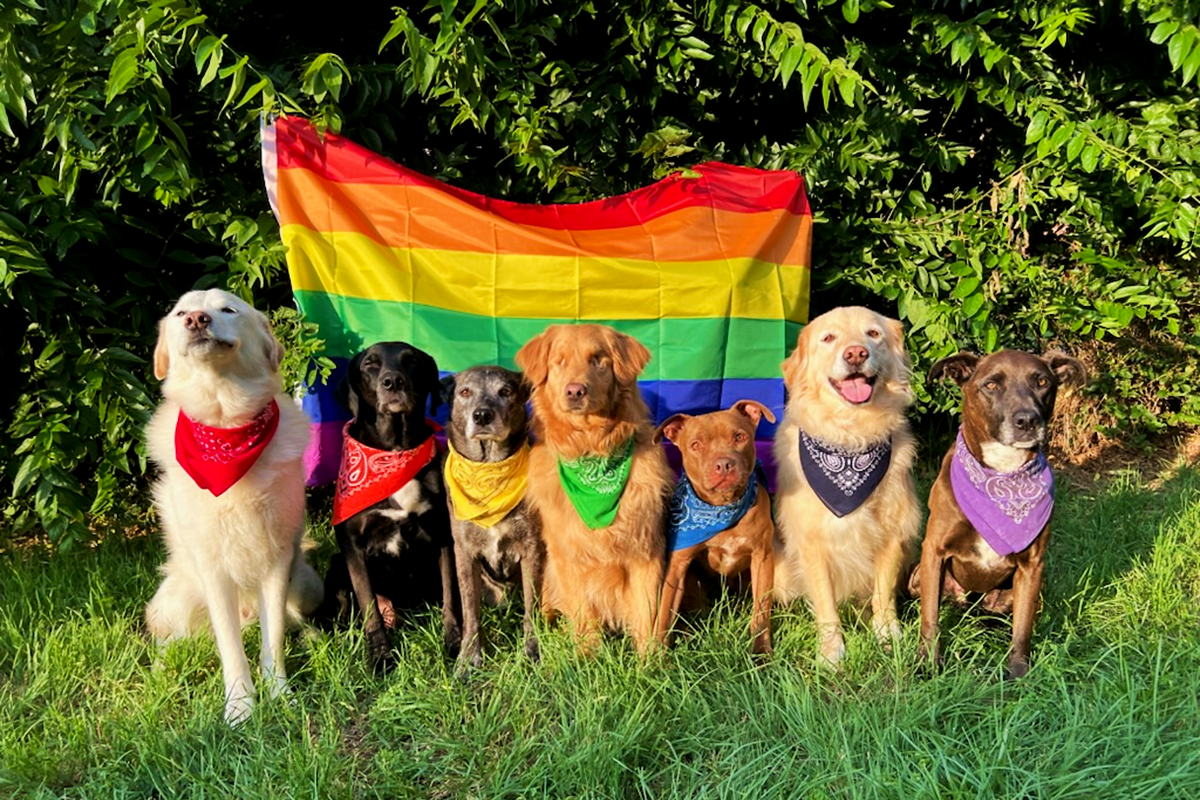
(497, 537)
(390, 507)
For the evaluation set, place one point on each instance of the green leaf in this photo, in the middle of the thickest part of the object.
(972, 304)
(1037, 127)
(1180, 46)
(1163, 30)
(124, 69)
(850, 10)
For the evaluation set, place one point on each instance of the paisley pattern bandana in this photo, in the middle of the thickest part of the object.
(594, 484)
(843, 479)
(485, 492)
(1008, 509)
(367, 475)
(693, 521)
(217, 458)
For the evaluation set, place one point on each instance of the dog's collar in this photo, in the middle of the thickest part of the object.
(594, 484)
(843, 479)
(368, 475)
(217, 458)
(1008, 509)
(693, 521)
(486, 492)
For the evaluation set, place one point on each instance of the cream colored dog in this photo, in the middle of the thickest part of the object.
(844, 437)
(230, 495)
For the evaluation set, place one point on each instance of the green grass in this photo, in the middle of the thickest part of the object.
(89, 709)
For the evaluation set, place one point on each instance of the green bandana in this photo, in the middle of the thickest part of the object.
(594, 484)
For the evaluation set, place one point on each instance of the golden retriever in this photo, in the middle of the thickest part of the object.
(586, 404)
(230, 494)
(848, 388)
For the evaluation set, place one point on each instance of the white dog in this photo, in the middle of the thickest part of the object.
(230, 496)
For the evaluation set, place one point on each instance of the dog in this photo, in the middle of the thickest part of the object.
(389, 514)
(989, 509)
(720, 510)
(605, 546)
(230, 492)
(497, 536)
(847, 510)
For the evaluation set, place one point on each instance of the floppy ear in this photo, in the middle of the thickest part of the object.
(162, 353)
(793, 365)
(273, 349)
(346, 391)
(754, 410)
(446, 385)
(629, 356)
(429, 377)
(958, 368)
(896, 340)
(534, 358)
(670, 427)
(523, 388)
(1070, 371)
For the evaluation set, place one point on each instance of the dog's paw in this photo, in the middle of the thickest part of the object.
(887, 630)
(833, 650)
(237, 708)
(533, 649)
(1016, 670)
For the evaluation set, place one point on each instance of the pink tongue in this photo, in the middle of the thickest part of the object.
(856, 390)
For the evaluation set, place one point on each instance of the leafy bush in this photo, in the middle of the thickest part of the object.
(994, 176)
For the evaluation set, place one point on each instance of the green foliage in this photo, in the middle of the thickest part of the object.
(995, 176)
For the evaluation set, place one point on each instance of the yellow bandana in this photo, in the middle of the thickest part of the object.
(482, 492)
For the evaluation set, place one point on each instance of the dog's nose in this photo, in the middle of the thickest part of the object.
(576, 391)
(483, 416)
(724, 466)
(1025, 420)
(855, 355)
(391, 381)
(197, 320)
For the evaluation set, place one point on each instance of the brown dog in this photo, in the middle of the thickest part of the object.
(720, 509)
(989, 508)
(604, 539)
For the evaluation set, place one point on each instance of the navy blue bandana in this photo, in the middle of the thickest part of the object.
(843, 479)
(694, 521)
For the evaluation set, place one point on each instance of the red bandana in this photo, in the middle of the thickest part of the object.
(367, 475)
(217, 458)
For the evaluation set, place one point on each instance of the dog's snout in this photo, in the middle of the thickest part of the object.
(855, 355)
(576, 391)
(724, 466)
(1025, 420)
(391, 381)
(197, 320)
(483, 416)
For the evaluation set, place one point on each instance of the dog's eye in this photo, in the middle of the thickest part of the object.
(598, 361)
(827, 338)
(990, 385)
(695, 445)
(740, 437)
(874, 333)
(228, 310)
(1043, 381)
(181, 313)
(505, 391)
(464, 392)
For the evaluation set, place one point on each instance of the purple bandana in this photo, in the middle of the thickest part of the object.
(843, 479)
(1008, 509)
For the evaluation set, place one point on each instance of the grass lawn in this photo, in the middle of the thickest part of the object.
(88, 709)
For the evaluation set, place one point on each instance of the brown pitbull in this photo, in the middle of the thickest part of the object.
(721, 510)
(989, 509)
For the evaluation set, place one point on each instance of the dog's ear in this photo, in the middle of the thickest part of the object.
(901, 375)
(534, 359)
(162, 353)
(273, 349)
(522, 387)
(754, 410)
(670, 427)
(793, 365)
(958, 368)
(1070, 371)
(629, 356)
(428, 372)
(346, 391)
(446, 385)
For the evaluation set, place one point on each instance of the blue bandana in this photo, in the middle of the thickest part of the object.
(843, 479)
(694, 521)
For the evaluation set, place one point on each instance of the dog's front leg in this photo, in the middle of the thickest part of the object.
(471, 654)
(378, 646)
(452, 634)
(932, 572)
(641, 591)
(1027, 586)
(762, 582)
(672, 594)
(884, 618)
(824, 606)
(272, 604)
(221, 594)
(531, 585)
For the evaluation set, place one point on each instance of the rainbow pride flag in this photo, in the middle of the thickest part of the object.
(710, 272)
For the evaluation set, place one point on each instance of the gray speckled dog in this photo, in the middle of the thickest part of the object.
(497, 536)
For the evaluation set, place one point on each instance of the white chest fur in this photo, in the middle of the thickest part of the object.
(1003, 458)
